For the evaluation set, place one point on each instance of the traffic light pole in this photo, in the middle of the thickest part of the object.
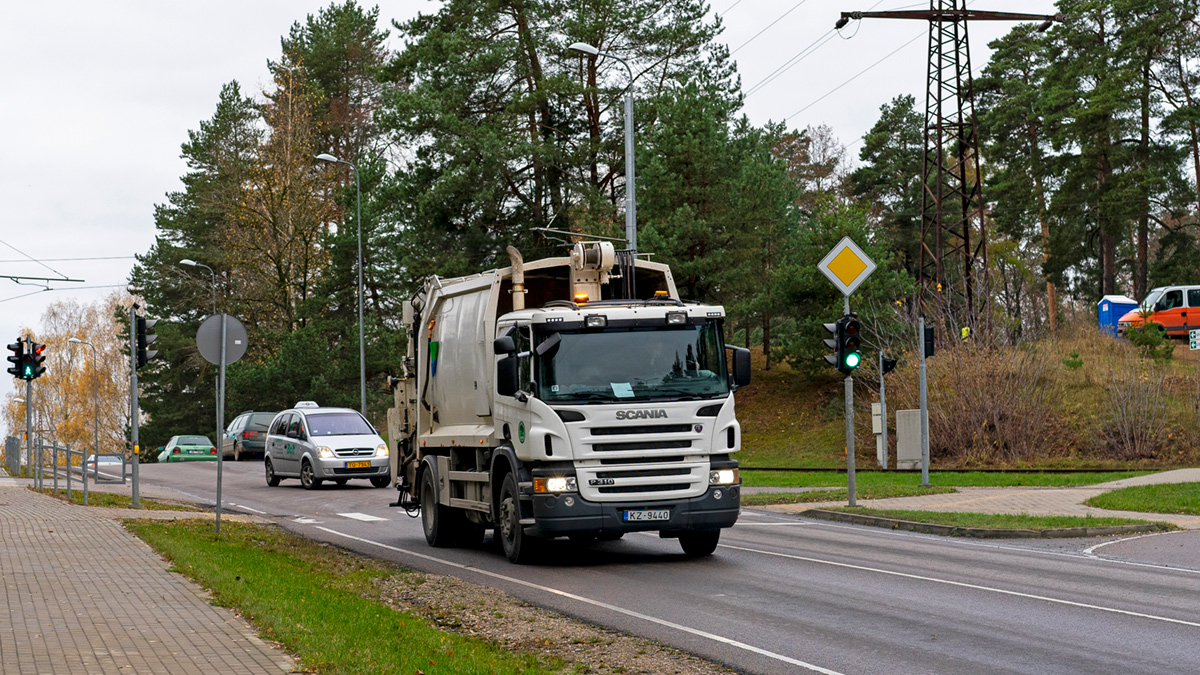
(883, 420)
(29, 426)
(924, 406)
(849, 424)
(133, 399)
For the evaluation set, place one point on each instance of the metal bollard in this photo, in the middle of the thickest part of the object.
(54, 458)
(69, 465)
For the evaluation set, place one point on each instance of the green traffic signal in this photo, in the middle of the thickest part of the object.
(853, 359)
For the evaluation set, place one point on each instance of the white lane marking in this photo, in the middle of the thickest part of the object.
(243, 506)
(1090, 551)
(744, 524)
(306, 521)
(867, 529)
(365, 517)
(962, 584)
(595, 603)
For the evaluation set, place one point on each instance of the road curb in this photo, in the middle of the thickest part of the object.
(979, 532)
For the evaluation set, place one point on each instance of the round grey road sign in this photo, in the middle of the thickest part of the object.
(208, 339)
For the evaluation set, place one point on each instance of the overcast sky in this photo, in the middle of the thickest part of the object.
(98, 96)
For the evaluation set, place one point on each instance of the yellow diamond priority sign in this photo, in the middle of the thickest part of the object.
(847, 266)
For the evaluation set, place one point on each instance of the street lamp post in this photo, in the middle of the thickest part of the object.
(213, 276)
(95, 418)
(630, 182)
(362, 348)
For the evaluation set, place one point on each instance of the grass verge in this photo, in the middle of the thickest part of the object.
(319, 602)
(114, 501)
(880, 479)
(995, 520)
(875, 492)
(1166, 498)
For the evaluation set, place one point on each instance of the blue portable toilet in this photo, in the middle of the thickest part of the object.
(1111, 309)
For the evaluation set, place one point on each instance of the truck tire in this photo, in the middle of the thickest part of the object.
(272, 479)
(308, 479)
(435, 518)
(519, 547)
(699, 544)
(380, 481)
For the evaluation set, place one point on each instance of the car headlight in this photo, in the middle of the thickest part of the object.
(325, 452)
(381, 450)
(724, 477)
(568, 484)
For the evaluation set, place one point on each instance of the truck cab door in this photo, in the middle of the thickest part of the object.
(1171, 312)
(512, 414)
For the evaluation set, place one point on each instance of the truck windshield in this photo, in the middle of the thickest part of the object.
(634, 364)
(1148, 303)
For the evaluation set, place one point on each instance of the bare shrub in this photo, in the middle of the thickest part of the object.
(1134, 424)
(992, 404)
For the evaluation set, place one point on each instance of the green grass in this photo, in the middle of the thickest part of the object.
(320, 602)
(860, 492)
(1166, 498)
(879, 479)
(110, 500)
(995, 520)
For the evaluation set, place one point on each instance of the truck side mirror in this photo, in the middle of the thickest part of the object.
(504, 345)
(741, 366)
(508, 373)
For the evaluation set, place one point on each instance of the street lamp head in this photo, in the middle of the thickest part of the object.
(585, 48)
(75, 341)
(326, 157)
(189, 263)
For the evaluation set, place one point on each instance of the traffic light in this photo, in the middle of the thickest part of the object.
(17, 358)
(849, 340)
(834, 343)
(888, 365)
(31, 367)
(144, 340)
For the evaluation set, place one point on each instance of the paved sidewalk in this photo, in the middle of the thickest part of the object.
(1032, 501)
(83, 595)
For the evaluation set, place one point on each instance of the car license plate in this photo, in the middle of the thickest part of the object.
(358, 465)
(195, 452)
(647, 514)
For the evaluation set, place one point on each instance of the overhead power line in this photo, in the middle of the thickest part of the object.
(856, 76)
(768, 26)
(108, 257)
(33, 258)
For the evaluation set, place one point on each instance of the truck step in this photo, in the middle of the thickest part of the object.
(526, 521)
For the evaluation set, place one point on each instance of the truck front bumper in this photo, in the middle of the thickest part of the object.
(554, 516)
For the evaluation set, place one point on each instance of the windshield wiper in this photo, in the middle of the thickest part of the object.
(681, 394)
(588, 395)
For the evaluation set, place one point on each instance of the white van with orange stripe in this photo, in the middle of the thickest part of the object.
(1175, 308)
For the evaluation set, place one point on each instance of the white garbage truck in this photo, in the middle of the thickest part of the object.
(572, 396)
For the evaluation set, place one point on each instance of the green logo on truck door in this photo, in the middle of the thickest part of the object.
(521, 432)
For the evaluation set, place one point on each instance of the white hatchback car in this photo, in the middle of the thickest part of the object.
(316, 444)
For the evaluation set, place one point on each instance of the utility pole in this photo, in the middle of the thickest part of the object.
(952, 199)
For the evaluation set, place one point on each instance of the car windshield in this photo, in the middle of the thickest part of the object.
(260, 421)
(194, 440)
(1148, 303)
(338, 424)
(635, 364)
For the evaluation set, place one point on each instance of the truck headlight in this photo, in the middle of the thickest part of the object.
(595, 321)
(676, 318)
(723, 477)
(381, 450)
(568, 484)
(324, 452)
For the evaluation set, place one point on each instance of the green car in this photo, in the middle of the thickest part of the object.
(188, 449)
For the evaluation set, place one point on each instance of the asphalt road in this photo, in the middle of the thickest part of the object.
(788, 595)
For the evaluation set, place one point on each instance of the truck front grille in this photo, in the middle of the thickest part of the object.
(641, 445)
(643, 429)
(643, 489)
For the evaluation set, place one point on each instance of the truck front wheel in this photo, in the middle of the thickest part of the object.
(435, 518)
(518, 546)
(699, 544)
